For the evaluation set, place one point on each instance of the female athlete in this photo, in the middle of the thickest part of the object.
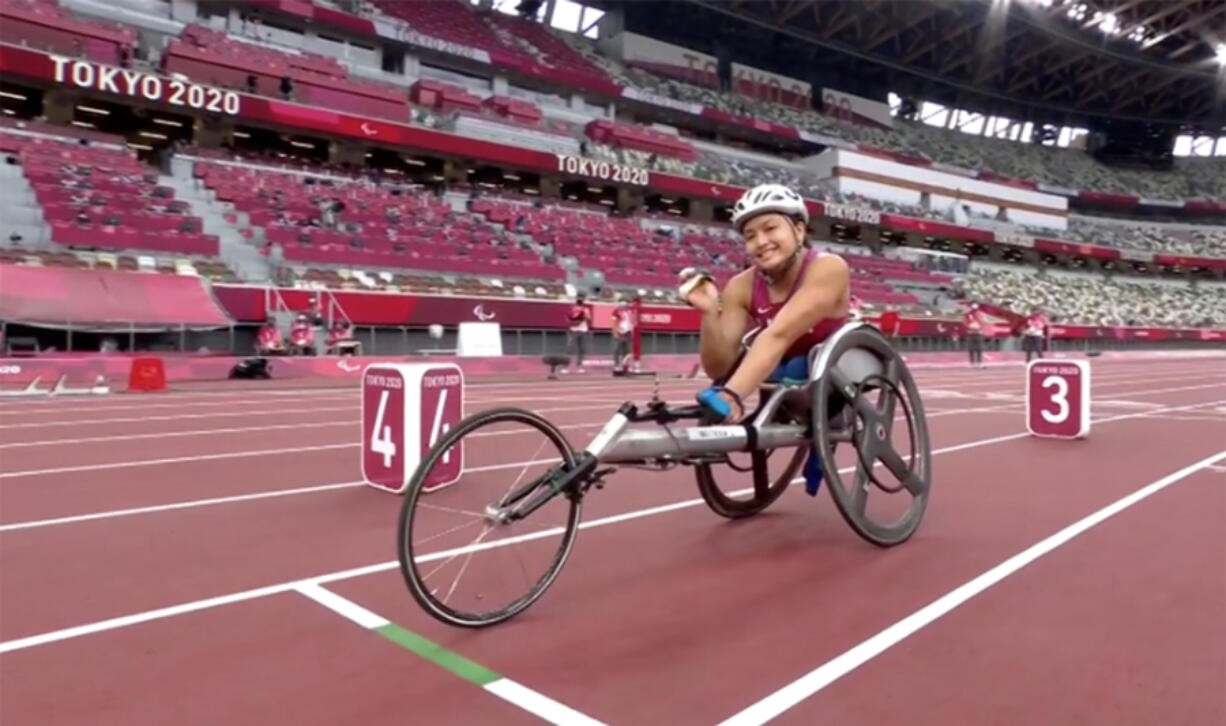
(795, 296)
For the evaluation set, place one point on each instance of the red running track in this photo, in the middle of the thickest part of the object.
(1120, 625)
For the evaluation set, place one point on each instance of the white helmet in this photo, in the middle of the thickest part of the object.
(768, 198)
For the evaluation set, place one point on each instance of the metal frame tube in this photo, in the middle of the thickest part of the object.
(618, 444)
(646, 445)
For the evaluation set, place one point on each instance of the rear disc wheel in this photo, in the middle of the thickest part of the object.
(871, 379)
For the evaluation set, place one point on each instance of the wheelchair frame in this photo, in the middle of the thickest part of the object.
(617, 445)
(854, 361)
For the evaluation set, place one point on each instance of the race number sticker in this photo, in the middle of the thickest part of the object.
(1058, 398)
(713, 433)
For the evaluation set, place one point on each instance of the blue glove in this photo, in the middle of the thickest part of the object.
(711, 399)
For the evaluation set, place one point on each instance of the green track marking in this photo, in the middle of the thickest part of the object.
(516, 694)
(437, 654)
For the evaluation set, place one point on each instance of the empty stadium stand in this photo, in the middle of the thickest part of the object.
(74, 205)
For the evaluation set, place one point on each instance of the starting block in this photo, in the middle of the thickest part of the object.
(406, 409)
(631, 368)
(100, 388)
(61, 388)
(1058, 398)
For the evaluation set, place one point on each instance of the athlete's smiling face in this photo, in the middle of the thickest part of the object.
(771, 240)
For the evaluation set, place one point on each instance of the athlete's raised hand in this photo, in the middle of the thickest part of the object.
(698, 289)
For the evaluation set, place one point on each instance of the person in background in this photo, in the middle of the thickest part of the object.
(855, 308)
(302, 336)
(890, 322)
(623, 332)
(268, 340)
(340, 339)
(580, 319)
(974, 322)
(636, 339)
(1034, 333)
(316, 310)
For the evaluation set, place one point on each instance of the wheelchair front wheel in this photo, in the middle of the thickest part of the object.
(480, 540)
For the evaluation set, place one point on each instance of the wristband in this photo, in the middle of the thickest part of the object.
(713, 400)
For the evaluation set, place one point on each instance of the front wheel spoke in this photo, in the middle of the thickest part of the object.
(450, 510)
(459, 551)
(478, 520)
(468, 557)
(524, 470)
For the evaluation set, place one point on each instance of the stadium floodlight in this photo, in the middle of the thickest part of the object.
(1221, 53)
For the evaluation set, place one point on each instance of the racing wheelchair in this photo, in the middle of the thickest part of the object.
(856, 387)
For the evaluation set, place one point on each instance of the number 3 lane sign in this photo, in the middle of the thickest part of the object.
(406, 409)
(1058, 398)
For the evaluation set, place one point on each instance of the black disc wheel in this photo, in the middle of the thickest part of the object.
(866, 397)
(487, 520)
(741, 496)
(749, 483)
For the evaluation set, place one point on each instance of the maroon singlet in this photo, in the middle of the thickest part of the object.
(762, 311)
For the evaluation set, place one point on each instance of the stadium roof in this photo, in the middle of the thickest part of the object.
(1043, 60)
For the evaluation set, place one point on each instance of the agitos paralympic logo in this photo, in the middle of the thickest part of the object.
(479, 311)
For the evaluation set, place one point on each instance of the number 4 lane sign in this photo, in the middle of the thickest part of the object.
(406, 409)
(1058, 398)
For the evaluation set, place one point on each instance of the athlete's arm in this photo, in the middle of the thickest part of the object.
(724, 323)
(822, 294)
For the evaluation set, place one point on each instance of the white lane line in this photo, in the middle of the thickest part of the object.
(176, 417)
(342, 606)
(348, 422)
(255, 593)
(335, 396)
(591, 404)
(1209, 417)
(925, 373)
(174, 460)
(137, 462)
(126, 620)
(33, 524)
(139, 405)
(177, 505)
(72, 519)
(192, 432)
(809, 684)
(508, 690)
(539, 704)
